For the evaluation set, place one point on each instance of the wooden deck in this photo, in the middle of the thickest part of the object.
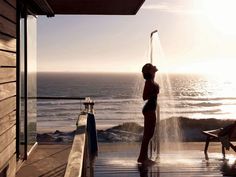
(119, 160)
(46, 161)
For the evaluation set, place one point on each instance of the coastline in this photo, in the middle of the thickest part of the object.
(191, 131)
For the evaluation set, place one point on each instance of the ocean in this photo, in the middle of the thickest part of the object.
(118, 98)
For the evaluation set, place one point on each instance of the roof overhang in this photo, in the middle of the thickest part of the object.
(86, 7)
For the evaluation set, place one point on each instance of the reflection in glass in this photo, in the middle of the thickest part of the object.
(31, 80)
(22, 90)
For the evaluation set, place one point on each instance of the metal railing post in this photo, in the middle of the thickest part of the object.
(88, 105)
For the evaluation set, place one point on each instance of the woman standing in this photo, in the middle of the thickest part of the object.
(150, 92)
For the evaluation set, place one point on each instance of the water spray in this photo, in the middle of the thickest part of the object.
(155, 142)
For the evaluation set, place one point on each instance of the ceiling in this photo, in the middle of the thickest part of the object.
(86, 7)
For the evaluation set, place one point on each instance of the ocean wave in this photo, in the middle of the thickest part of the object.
(59, 109)
(204, 104)
(127, 100)
(57, 118)
(206, 98)
(132, 100)
(53, 103)
(64, 115)
(97, 101)
(191, 112)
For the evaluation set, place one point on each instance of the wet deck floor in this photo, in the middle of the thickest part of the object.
(119, 160)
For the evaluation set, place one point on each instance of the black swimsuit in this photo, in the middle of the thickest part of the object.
(150, 105)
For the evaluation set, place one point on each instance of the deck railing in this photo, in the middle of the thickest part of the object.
(84, 148)
(56, 100)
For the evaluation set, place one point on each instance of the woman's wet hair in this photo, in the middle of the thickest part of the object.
(147, 76)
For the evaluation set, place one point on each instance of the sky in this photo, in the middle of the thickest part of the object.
(193, 36)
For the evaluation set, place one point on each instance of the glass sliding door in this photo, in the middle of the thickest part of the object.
(27, 84)
(22, 87)
(31, 80)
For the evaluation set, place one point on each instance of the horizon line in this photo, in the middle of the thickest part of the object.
(117, 72)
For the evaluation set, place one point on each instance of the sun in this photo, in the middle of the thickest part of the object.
(221, 14)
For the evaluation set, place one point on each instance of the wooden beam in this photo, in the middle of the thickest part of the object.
(7, 121)
(12, 2)
(7, 137)
(7, 90)
(7, 75)
(96, 7)
(7, 27)
(7, 106)
(7, 43)
(7, 59)
(7, 153)
(7, 11)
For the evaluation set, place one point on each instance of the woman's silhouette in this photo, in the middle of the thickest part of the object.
(150, 92)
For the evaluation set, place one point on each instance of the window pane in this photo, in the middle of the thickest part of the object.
(22, 89)
(31, 79)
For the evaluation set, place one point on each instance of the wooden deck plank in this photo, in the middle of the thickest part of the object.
(46, 160)
(119, 160)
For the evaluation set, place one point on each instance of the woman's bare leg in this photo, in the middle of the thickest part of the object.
(149, 127)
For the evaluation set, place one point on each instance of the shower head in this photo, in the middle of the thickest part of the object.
(151, 53)
(155, 31)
